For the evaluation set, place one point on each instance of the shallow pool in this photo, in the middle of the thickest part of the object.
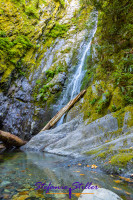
(20, 171)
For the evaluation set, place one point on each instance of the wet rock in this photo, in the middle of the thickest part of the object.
(22, 197)
(127, 120)
(5, 183)
(66, 139)
(58, 79)
(32, 194)
(99, 194)
(39, 142)
(7, 191)
(21, 118)
(55, 89)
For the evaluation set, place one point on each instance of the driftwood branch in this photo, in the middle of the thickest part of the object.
(56, 118)
(11, 140)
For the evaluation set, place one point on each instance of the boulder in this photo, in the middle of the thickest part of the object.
(99, 194)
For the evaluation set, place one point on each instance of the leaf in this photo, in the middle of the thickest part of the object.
(117, 181)
(76, 171)
(117, 188)
(82, 174)
(125, 179)
(94, 166)
(128, 179)
(127, 193)
(79, 164)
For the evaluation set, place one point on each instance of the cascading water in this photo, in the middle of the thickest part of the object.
(74, 83)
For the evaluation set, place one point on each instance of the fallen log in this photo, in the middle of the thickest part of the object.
(10, 140)
(56, 118)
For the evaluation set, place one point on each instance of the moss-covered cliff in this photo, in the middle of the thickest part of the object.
(39, 43)
(110, 65)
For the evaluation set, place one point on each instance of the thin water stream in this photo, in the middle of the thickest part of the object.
(75, 80)
(19, 172)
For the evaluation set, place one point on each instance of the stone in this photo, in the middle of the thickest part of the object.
(99, 194)
(32, 194)
(5, 183)
(67, 138)
(6, 191)
(58, 79)
(39, 142)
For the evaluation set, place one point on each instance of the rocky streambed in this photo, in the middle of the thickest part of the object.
(101, 141)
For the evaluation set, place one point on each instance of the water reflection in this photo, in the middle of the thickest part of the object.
(20, 171)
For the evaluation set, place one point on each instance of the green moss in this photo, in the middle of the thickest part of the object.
(126, 150)
(121, 159)
(129, 109)
(95, 151)
(59, 30)
(62, 2)
(31, 12)
(102, 155)
(103, 103)
(92, 152)
(50, 73)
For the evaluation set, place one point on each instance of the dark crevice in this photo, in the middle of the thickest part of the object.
(18, 99)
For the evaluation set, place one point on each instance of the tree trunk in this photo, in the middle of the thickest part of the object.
(11, 140)
(56, 118)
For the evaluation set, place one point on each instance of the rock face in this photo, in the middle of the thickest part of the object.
(49, 137)
(100, 141)
(99, 194)
(67, 140)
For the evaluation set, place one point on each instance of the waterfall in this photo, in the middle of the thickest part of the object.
(74, 83)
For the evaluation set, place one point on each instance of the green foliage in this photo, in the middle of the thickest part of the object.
(50, 73)
(89, 114)
(23, 41)
(59, 69)
(5, 44)
(59, 30)
(114, 56)
(38, 82)
(44, 88)
(93, 101)
(103, 103)
(2, 34)
(62, 2)
(114, 108)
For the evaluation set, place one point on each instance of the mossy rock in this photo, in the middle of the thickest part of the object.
(121, 159)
